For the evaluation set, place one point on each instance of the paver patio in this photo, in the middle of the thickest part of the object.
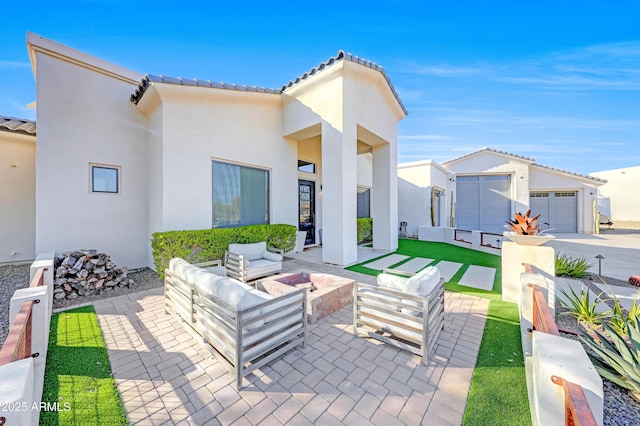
(166, 377)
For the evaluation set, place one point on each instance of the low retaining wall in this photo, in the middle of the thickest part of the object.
(22, 380)
(442, 234)
(547, 356)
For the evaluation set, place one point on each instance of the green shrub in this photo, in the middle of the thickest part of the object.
(571, 266)
(365, 230)
(210, 244)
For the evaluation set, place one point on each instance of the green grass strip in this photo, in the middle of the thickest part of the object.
(78, 373)
(498, 393)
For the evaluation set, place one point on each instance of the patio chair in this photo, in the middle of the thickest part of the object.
(246, 262)
(403, 310)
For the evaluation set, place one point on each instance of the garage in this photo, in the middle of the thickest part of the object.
(483, 202)
(558, 209)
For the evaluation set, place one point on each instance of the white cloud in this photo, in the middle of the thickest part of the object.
(14, 64)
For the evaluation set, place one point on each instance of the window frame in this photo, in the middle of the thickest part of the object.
(92, 187)
(268, 172)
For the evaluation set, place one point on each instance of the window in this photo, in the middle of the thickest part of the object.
(364, 202)
(105, 179)
(306, 166)
(240, 195)
(468, 178)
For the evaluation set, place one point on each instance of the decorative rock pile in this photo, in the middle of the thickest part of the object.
(86, 273)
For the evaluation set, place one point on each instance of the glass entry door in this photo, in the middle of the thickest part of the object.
(307, 209)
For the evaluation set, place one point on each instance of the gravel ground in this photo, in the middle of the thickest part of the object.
(13, 277)
(619, 407)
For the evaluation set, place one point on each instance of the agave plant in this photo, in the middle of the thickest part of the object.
(571, 266)
(615, 358)
(582, 308)
(525, 224)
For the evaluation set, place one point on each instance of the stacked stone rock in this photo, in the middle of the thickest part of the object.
(85, 273)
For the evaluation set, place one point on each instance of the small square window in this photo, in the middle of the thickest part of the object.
(104, 179)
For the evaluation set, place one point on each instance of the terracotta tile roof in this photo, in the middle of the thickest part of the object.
(495, 151)
(342, 55)
(529, 159)
(17, 125)
(148, 79)
(593, 178)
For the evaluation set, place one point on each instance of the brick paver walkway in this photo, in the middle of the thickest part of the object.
(166, 377)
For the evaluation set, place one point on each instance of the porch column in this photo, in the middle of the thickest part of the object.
(384, 197)
(339, 195)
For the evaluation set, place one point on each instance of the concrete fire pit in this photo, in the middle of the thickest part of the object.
(325, 293)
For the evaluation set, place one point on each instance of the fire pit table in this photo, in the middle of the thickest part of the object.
(325, 293)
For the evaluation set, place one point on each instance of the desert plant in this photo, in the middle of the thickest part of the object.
(571, 266)
(582, 308)
(525, 224)
(615, 357)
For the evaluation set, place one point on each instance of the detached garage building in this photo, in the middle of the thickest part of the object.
(489, 186)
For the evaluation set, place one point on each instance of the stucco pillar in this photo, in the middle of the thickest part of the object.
(384, 196)
(339, 195)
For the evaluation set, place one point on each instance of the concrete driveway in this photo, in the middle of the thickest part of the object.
(621, 251)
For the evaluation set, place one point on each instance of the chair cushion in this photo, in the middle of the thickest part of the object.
(421, 284)
(391, 281)
(424, 282)
(249, 251)
(262, 267)
(274, 257)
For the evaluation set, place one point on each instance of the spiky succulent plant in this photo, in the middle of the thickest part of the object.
(524, 224)
(615, 358)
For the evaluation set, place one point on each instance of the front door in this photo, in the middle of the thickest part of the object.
(307, 209)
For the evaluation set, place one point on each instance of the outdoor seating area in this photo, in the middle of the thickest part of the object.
(165, 375)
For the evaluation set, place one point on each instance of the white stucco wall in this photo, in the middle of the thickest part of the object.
(84, 116)
(202, 124)
(17, 196)
(415, 182)
(625, 207)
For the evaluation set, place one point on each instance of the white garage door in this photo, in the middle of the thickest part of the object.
(483, 202)
(558, 209)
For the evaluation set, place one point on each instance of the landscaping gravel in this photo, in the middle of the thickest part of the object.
(619, 407)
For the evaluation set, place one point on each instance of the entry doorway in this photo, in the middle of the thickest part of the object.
(307, 210)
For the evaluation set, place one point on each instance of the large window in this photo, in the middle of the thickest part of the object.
(240, 195)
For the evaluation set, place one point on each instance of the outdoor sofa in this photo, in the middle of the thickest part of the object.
(403, 311)
(242, 327)
(246, 262)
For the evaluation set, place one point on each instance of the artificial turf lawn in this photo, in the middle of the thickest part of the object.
(498, 393)
(78, 373)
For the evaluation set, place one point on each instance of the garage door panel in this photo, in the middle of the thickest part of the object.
(483, 202)
(558, 210)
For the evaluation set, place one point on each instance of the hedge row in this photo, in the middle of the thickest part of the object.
(210, 244)
(365, 230)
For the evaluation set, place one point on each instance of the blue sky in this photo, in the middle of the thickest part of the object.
(556, 81)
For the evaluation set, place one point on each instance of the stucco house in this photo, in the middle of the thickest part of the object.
(17, 189)
(621, 189)
(121, 155)
(482, 189)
